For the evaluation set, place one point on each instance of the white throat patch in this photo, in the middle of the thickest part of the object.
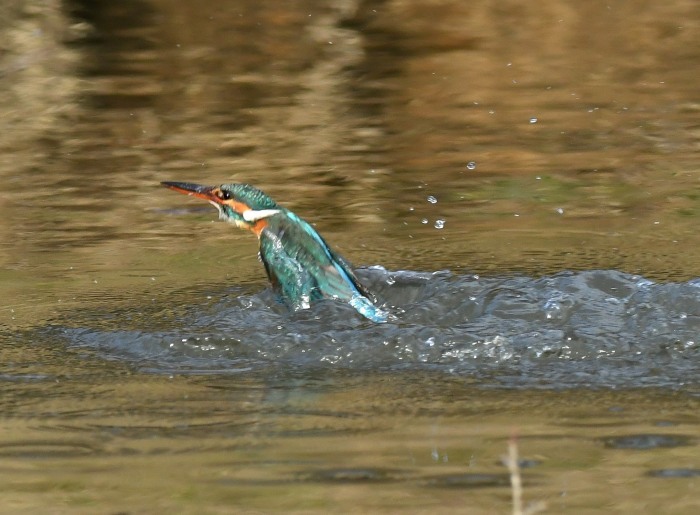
(252, 215)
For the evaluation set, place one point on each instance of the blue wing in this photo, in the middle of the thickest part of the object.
(303, 268)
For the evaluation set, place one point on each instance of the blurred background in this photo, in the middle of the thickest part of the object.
(488, 139)
(416, 135)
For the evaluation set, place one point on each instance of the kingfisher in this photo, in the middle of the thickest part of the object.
(299, 263)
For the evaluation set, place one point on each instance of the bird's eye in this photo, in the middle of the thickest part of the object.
(223, 195)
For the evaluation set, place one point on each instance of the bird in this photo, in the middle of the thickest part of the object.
(299, 263)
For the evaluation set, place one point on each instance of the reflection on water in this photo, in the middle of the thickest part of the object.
(544, 153)
(315, 440)
(581, 128)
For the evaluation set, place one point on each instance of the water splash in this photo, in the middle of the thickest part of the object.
(595, 328)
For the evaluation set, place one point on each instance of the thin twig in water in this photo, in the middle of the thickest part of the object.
(516, 483)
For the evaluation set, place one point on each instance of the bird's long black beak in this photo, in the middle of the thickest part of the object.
(196, 190)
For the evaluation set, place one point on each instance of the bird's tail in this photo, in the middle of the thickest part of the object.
(368, 310)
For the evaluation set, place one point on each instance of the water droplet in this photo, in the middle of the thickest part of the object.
(432, 199)
(471, 165)
(560, 211)
(533, 120)
(424, 221)
(439, 224)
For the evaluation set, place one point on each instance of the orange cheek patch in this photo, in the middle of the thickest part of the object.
(238, 207)
(258, 227)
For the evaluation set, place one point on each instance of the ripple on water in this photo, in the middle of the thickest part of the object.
(596, 328)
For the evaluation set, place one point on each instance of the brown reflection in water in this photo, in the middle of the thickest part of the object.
(581, 119)
(595, 77)
(393, 442)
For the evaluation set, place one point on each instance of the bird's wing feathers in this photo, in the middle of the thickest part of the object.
(286, 274)
(306, 258)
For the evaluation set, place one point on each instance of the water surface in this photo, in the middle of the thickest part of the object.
(518, 183)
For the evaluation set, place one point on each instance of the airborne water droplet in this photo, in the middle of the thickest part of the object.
(432, 199)
(471, 165)
(439, 224)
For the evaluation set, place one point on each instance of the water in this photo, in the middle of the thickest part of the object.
(591, 329)
(519, 186)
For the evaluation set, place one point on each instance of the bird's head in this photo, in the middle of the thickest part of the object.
(241, 204)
